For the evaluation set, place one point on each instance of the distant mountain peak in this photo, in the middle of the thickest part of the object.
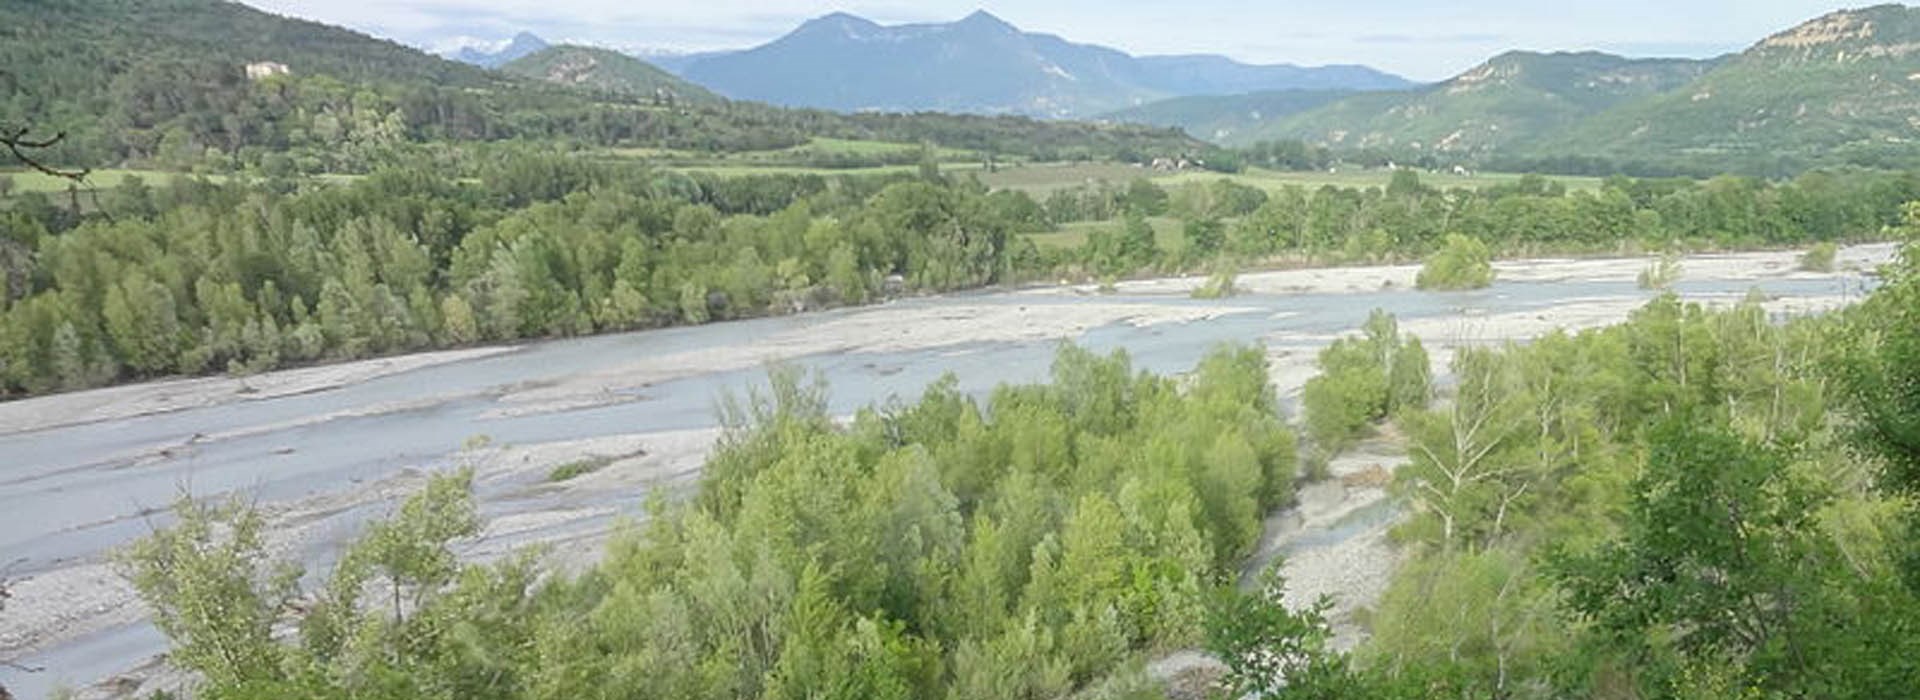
(980, 63)
(983, 18)
(499, 53)
(839, 23)
(1882, 31)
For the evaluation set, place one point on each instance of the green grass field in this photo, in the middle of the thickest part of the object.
(792, 157)
(1276, 179)
(30, 181)
(741, 170)
(1041, 179)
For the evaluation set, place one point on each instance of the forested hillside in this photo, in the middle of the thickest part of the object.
(1236, 120)
(1515, 99)
(1836, 90)
(1518, 99)
(165, 84)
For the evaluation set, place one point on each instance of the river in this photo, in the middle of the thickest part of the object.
(72, 491)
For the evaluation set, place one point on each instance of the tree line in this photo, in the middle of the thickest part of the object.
(1407, 220)
(244, 275)
(195, 276)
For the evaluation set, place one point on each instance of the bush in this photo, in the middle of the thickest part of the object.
(1819, 258)
(1662, 273)
(1218, 286)
(1339, 406)
(1463, 262)
(577, 468)
(1025, 545)
(1363, 380)
(1409, 377)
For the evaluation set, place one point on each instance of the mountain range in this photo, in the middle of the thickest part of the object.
(1511, 98)
(981, 64)
(1843, 88)
(146, 79)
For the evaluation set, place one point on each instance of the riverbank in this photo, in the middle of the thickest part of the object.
(324, 448)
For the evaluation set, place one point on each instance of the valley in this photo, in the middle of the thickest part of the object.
(391, 351)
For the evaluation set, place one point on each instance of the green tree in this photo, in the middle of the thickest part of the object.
(1877, 364)
(214, 591)
(1273, 652)
(1205, 236)
(1715, 559)
(143, 323)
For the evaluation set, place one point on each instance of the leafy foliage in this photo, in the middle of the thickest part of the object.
(1819, 258)
(1661, 273)
(1219, 285)
(243, 278)
(1878, 366)
(1027, 547)
(1461, 263)
(1271, 651)
(1363, 380)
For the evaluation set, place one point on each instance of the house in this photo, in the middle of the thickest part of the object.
(266, 69)
(1184, 162)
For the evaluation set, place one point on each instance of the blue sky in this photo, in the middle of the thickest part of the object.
(1419, 39)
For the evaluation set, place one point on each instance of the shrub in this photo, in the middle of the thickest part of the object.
(1662, 273)
(1218, 286)
(577, 468)
(1340, 404)
(1363, 380)
(1463, 262)
(1819, 258)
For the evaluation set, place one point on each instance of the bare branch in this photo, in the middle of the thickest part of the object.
(18, 144)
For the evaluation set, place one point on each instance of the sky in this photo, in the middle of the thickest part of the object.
(1419, 39)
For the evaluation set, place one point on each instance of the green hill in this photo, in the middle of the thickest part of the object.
(219, 86)
(604, 71)
(1517, 98)
(1225, 119)
(168, 80)
(1843, 88)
